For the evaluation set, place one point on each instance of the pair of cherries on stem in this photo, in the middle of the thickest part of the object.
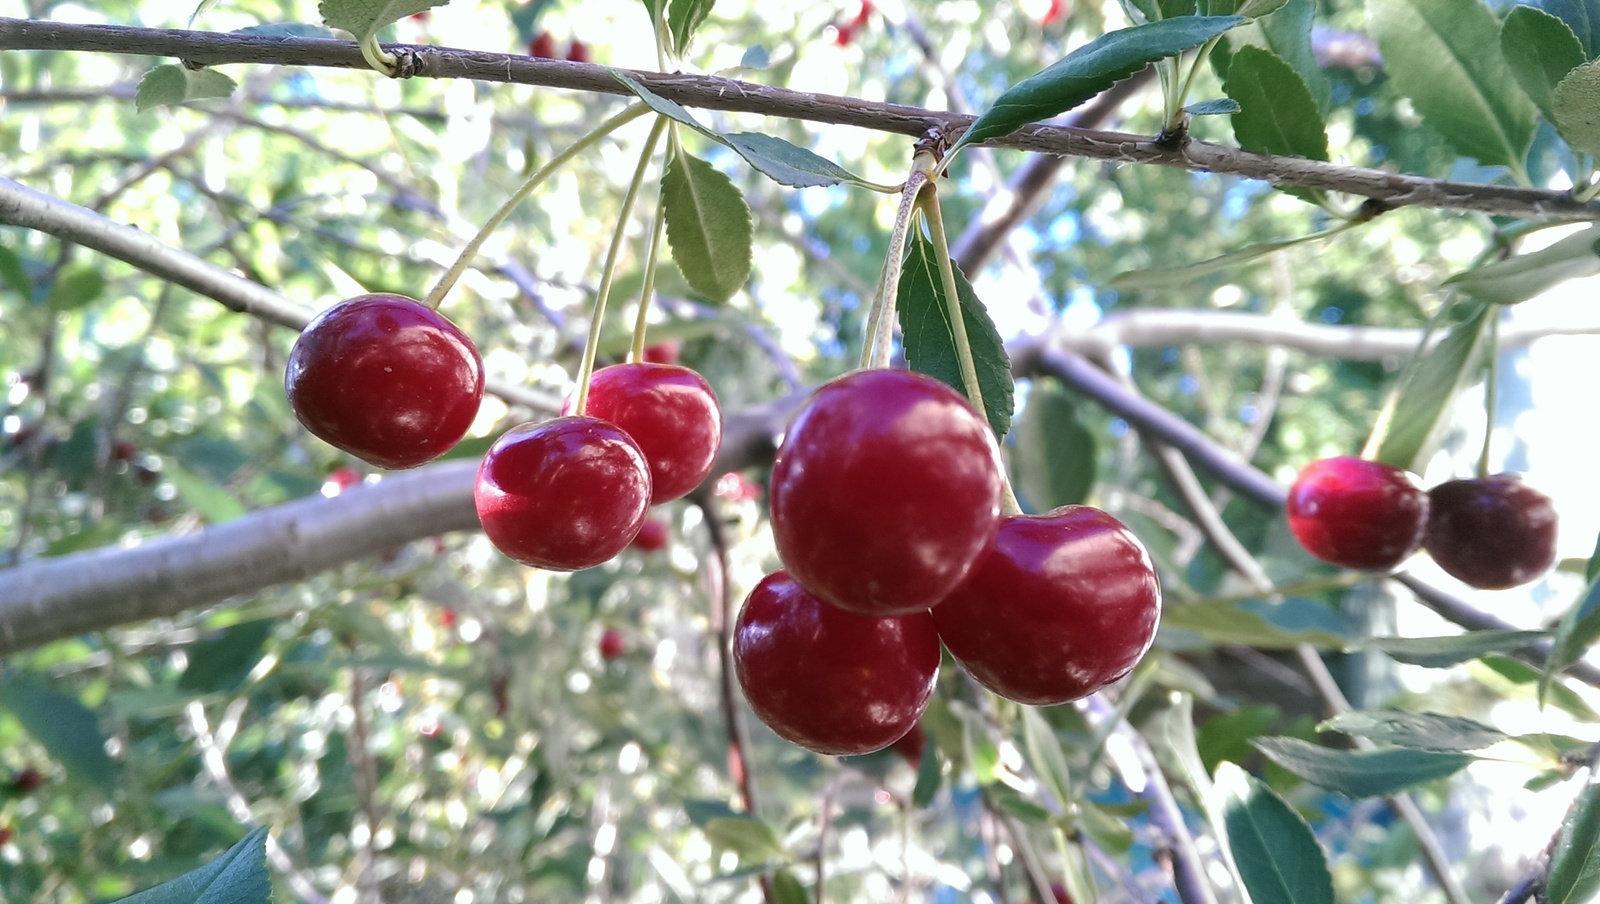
(1491, 533)
(396, 384)
(886, 511)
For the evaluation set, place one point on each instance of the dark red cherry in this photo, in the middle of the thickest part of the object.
(612, 646)
(578, 52)
(564, 494)
(1357, 513)
(673, 415)
(653, 536)
(1492, 532)
(1061, 605)
(386, 379)
(663, 352)
(885, 490)
(27, 780)
(911, 744)
(828, 680)
(543, 46)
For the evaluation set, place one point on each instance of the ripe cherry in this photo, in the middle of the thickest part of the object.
(663, 352)
(612, 645)
(27, 780)
(386, 379)
(653, 536)
(884, 492)
(564, 494)
(6, 834)
(911, 744)
(1492, 532)
(828, 680)
(1059, 606)
(542, 46)
(577, 51)
(1357, 513)
(673, 415)
(339, 480)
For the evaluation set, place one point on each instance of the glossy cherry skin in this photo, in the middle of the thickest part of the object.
(1061, 605)
(1491, 533)
(564, 494)
(386, 379)
(885, 490)
(828, 680)
(1357, 513)
(653, 536)
(671, 412)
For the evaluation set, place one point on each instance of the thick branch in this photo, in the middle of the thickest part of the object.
(206, 48)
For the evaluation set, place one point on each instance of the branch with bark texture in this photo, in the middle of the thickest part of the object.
(710, 92)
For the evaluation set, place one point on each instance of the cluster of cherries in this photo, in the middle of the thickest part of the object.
(1491, 533)
(886, 505)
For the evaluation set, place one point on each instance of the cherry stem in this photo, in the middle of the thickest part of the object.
(607, 275)
(378, 58)
(448, 280)
(880, 323)
(1490, 393)
(640, 324)
(1175, 115)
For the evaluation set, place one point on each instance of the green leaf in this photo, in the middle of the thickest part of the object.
(1253, 623)
(930, 341)
(1525, 276)
(1445, 56)
(1583, 17)
(1575, 862)
(78, 285)
(220, 664)
(1576, 104)
(1215, 107)
(65, 727)
(1419, 731)
(1541, 50)
(1277, 114)
(930, 775)
(1423, 398)
(1054, 458)
(1287, 33)
(708, 227)
(1361, 773)
(786, 887)
(1176, 277)
(1577, 631)
(683, 18)
(1502, 674)
(1044, 752)
(1591, 569)
(775, 158)
(239, 876)
(1173, 8)
(13, 274)
(1090, 69)
(1452, 649)
(1277, 855)
(753, 840)
(214, 503)
(363, 18)
(170, 83)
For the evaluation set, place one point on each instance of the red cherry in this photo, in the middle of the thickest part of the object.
(611, 644)
(1061, 605)
(733, 486)
(1491, 533)
(386, 379)
(27, 781)
(5, 835)
(339, 480)
(577, 51)
(1357, 513)
(884, 492)
(447, 617)
(1056, 12)
(564, 494)
(663, 352)
(542, 46)
(123, 450)
(653, 536)
(832, 681)
(673, 415)
(910, 745)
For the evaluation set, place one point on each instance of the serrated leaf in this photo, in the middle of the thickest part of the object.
(1277, 114)
(1419, 731)
(1054, 457)
(239, 876)
(1575, 861)
(220, 664)
(1278, 857)
(1583, 17)
(1453, 649)
(13, 274)
(1503, 673)
(76, 286)
(777, 159)
(1517, 279)
(1090, 69)
(64, 727)
(1217, 107)
(1445, 56)
(683, 19)
(1576, 105)
(1252, 623)
(1361, 773)
(786, 889)
(363, 18)
(753, 840)
(1541, 50)
(930, 345)
(1287, 33)
(1577, 631)
(170, 83)
(1425, 393)
(708, 227)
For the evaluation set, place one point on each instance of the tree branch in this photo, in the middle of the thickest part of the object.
(710, 92)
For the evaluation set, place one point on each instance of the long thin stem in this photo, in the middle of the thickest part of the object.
(448, 280)
(642, 322)
(1175, 113)
(1490, 393)
(880, 323)
(609, 273)
(947, 276)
